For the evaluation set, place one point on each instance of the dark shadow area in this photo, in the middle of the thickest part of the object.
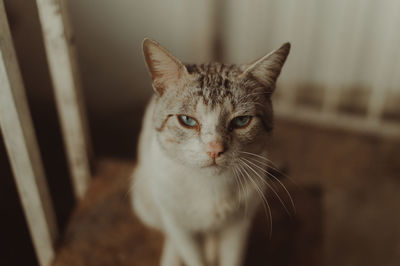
(116, 134)
(296, 239)
(16, 247)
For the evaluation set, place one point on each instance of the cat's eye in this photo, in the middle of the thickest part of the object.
(187, 121)
(240, 121)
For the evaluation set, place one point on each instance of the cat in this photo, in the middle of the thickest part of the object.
(200, 174)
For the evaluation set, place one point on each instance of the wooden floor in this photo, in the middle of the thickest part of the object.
(103, 230)
(346, 190)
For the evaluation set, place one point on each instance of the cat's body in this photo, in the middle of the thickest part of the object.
(198, 134)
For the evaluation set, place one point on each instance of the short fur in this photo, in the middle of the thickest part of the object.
(204, 203)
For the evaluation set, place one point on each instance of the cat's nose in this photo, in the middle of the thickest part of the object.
(214, 149)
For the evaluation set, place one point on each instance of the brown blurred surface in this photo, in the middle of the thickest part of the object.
(103, 230)
(360, 178)
(345, 198)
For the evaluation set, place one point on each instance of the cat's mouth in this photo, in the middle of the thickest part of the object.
(214, 164)
(211, 165)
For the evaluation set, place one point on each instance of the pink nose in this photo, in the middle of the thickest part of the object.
(214, 149)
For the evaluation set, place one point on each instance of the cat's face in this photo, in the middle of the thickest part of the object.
(207, 116)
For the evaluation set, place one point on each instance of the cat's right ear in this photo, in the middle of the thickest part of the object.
(266, 70)
(166, 71)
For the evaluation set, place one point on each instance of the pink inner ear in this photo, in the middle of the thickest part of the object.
(166, 71)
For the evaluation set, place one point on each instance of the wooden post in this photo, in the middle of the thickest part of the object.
(23, 150)
(64, 74)
(386, 43)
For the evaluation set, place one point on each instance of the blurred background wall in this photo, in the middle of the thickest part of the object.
(344, 57)
(344, 53)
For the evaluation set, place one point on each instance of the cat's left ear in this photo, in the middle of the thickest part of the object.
(166, 71)
(266, 70)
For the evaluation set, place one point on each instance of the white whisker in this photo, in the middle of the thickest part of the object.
(267, 208)
(265, 182)
(235, 175)
(245, 194)
(256, 155)
(270, 164)
(283, 186)
(275, 178)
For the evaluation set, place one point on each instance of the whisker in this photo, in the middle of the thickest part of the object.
(241, 189)
(267, 208)
(237, 183)
(266, 183)
(283, 186)
(245, 194)
(271, 165)
(264, 158)
(268, 165)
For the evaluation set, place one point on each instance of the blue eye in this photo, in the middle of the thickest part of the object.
(240, 121)
(187, 121)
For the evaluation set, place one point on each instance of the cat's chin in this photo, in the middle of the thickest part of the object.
(206, 165)
(214, 168)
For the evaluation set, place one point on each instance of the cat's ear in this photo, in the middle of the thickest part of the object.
(165, 70)
(266, 70)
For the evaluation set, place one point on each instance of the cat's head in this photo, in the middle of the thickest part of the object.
(209, 115)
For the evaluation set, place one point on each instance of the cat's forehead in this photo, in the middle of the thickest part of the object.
(205, 109)
(214, 68)
(214, 83)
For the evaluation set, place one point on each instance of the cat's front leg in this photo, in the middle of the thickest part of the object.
(187, 245)
(233, 242)
(211, 249)
(170, 256)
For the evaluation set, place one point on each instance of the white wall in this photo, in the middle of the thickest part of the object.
(109, 35)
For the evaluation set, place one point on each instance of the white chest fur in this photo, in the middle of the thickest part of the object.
(197, 200)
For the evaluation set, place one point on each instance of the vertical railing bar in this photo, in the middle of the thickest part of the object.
(387, 50)
(333, 48)
(64, 74)
(347, 54)
(75, 69)
(289, 91)
(23, 151)
(285, 20)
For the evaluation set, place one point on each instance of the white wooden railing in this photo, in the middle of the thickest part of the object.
(18, 132)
